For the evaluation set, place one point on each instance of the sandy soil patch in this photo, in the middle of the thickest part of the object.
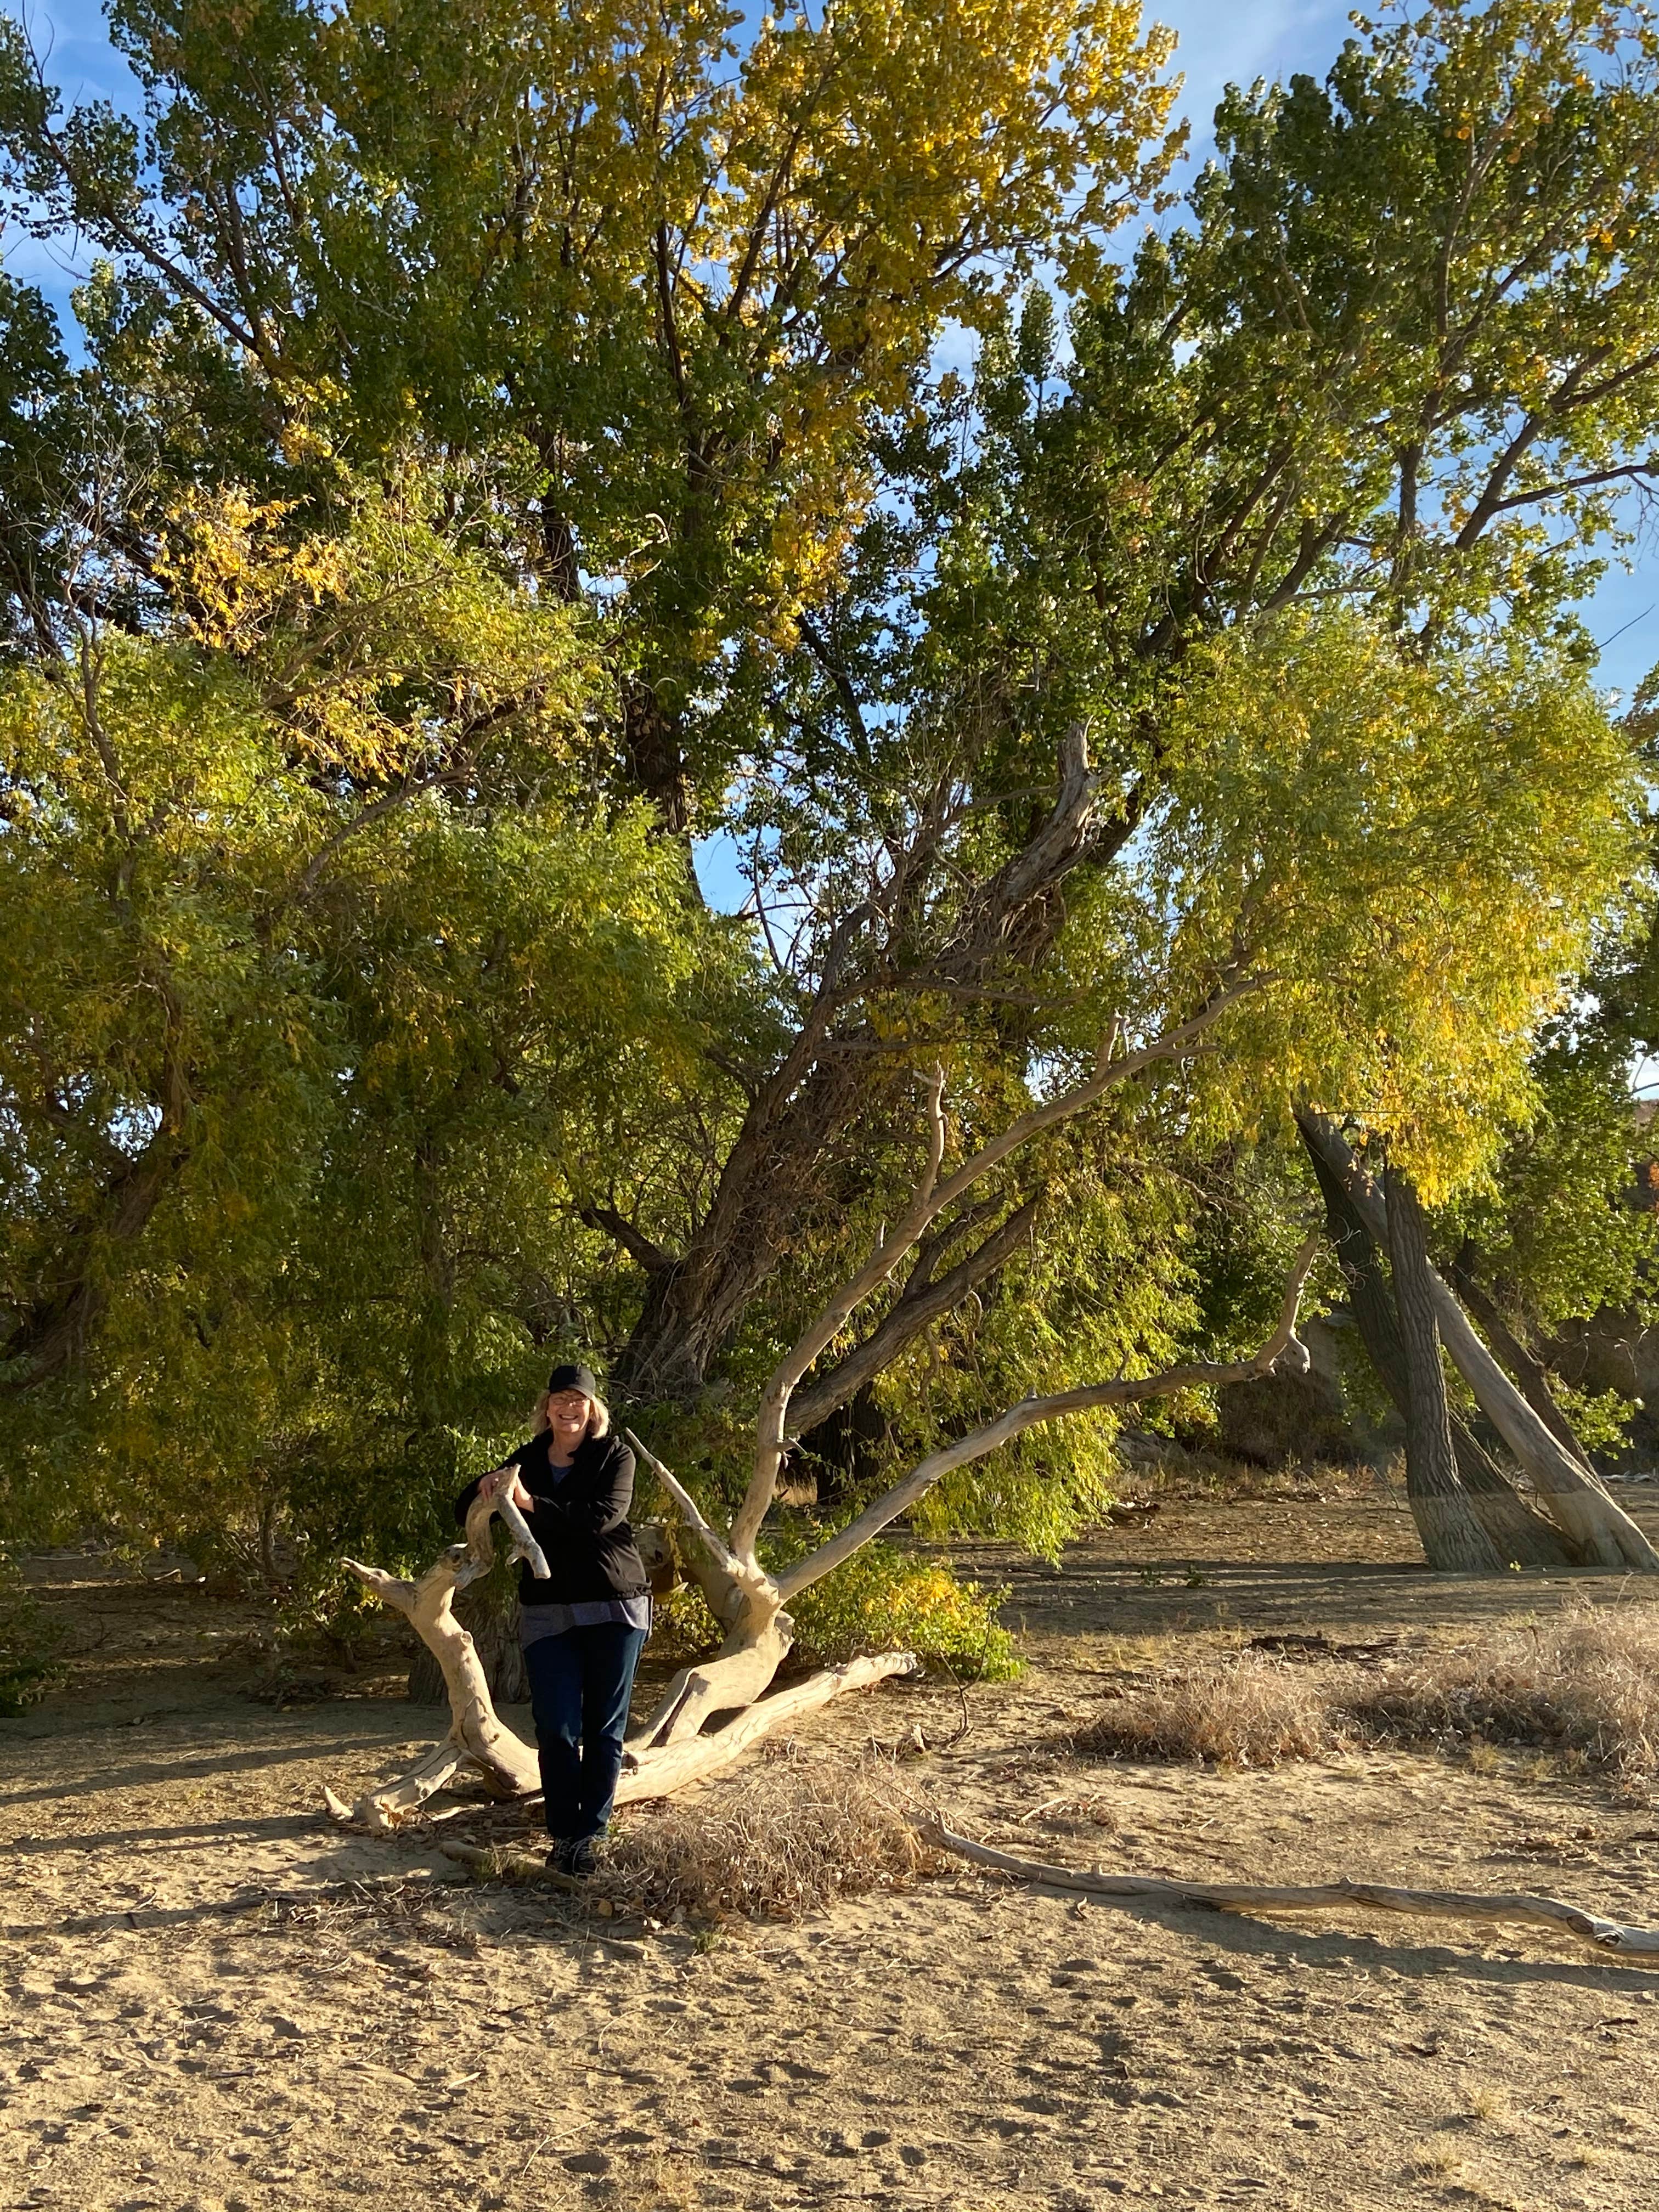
(210, 1999)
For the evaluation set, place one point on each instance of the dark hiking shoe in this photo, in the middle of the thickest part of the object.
(572, 1856)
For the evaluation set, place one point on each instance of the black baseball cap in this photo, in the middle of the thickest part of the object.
(573, 1376)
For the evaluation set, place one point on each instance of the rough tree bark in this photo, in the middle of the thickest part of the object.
(1569, 1491)
(1523, 1538)
(675, 1746)
(1454, 1540)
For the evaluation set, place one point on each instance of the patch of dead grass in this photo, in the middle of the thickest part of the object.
(1252, 1709)
(1584, 1686)
(787, 1838)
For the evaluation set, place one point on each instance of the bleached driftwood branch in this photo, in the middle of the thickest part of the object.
(1320, 1897)
(478, 1739)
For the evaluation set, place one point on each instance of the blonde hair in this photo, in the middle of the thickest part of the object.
(598, 1417)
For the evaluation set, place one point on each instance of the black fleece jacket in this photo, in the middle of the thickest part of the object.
(579, 1520)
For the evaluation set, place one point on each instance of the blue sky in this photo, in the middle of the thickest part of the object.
(1220, 43)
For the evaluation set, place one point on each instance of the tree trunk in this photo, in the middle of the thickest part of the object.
(654, 759)
(488, 1612)
(1529, 1371)
(1452, 1538)
(1522, 1537)
(1571, 1494)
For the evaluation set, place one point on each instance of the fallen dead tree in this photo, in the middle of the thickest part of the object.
(478, 1741)
(1320, 1896)
(677, 1745)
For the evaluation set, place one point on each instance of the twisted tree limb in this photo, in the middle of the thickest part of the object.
(478, 1738)
(1320, 1897)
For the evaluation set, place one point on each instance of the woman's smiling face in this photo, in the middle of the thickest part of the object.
(567, 1415)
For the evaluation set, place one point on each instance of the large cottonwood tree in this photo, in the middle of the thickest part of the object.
(1210, 692)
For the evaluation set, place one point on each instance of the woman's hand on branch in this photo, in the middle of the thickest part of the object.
(507, 1478)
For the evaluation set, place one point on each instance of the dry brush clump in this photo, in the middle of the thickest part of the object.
(789, 1837)
(1250, 1710)
(1584, 1686)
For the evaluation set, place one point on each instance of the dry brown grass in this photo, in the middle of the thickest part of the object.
(787, 1838)
(1584, 1685)
(1250, 1711)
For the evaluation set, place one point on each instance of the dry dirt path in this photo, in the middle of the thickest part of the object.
(196, 2010)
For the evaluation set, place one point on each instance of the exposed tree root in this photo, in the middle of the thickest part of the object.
(1322, 1897)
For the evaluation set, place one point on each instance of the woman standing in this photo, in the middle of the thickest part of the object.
(583, 1629)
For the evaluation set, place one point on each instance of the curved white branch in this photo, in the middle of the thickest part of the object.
(1196, 1375)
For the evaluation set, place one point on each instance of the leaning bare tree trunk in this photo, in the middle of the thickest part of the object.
(1570, 1493)
(1529, 1373)
(1523, 1538)
(1454, 1540)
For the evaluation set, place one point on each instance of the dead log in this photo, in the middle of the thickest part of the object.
(478, 1740)
(659, 1773)
(1320, 1897)
(489, 1615)
(1454, 1540)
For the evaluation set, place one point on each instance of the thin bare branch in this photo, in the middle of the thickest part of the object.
(1031, 1412)
(1320, 1896)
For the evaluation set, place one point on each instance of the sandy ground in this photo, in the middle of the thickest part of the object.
(210, 1999)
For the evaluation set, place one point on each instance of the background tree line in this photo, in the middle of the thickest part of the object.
(509, 442)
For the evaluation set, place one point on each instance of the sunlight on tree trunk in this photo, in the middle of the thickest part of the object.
(1569, 1491)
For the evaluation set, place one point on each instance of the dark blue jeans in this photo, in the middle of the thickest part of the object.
(579, 1686)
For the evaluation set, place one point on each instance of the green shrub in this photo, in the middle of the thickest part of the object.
(29, 1640)
(881, 1599)
(886, 1600)
(1600, 1419)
